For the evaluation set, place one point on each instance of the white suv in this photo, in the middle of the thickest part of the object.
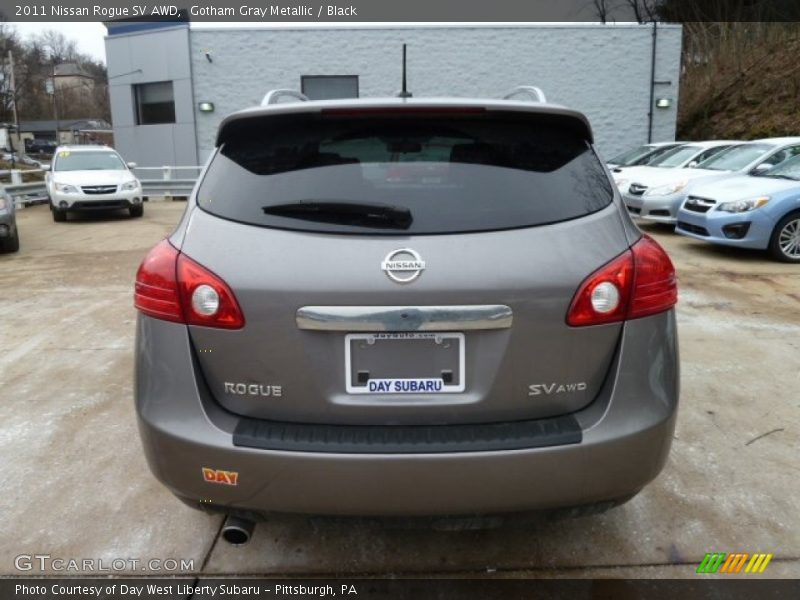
(84, 178)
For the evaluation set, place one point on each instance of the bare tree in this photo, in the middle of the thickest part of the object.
(35, 58)
(8, 42)
(601, 9)
(58, 48)
(644, 11)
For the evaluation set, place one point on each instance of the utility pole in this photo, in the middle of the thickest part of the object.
(51, 89)
(13, 91)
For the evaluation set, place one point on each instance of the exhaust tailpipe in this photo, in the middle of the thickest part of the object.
(237, 531)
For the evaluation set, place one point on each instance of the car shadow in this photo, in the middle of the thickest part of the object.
(98, 216)
(715, 251)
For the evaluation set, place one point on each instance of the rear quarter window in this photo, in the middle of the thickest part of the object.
(449, 173)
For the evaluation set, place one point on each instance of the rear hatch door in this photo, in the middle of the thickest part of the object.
(398, 268)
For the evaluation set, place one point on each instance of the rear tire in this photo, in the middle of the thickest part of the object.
(59, 216)
(137, 210)
(784, 245)
(11, 244)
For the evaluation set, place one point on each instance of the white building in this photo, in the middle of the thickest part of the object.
(161, 73)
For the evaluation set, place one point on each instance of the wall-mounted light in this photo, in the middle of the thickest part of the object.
(206, 106)
(663, 103)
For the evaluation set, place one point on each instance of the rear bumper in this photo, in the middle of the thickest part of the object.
(626, 436)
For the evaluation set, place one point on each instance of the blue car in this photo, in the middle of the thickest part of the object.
(759, 211)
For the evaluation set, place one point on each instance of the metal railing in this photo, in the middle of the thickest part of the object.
(24, 193)
(173, 181)
(168, 184)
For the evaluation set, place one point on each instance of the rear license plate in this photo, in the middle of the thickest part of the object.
(404, 363)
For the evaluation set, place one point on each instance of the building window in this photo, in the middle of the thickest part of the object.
(329, 87)
(155, 103)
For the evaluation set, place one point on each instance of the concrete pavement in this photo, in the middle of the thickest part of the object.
(77, 485)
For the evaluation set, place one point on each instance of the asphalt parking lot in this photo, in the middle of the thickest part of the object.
(77, 486)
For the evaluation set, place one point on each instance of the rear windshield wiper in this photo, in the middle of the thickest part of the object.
(358, 214)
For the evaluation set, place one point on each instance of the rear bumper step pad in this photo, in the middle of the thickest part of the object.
(406, 439)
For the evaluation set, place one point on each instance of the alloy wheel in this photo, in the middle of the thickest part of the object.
(789, 239)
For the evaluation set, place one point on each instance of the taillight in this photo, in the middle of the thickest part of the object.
(585, 308)
(655, 287)
(173, 287)
(206, 299)
(156, 289)
(639, 282)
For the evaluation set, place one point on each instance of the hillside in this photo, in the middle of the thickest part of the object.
(748, 88)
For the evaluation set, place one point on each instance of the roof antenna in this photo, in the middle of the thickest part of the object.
(404, 93)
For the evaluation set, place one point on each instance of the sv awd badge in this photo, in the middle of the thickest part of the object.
(537, 389)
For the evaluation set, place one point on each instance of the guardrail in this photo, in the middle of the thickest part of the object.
(24, 193)
(166, 185)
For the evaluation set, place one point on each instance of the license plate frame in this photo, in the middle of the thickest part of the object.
(387, 337)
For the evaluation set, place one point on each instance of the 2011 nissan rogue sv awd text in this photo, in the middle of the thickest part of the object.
(405, 307)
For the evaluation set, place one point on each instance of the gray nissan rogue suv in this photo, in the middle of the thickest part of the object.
(405, 307)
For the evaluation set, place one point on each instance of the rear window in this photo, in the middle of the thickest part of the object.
(404, 174)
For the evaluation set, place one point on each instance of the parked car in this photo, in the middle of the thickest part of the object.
(9, 234)
(688, 155)
(90, 178)
(21, 159)
(37, 146)
(641, 155)
(750, 211)
(658, 194)
(321, 336)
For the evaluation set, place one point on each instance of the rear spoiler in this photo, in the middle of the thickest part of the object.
(242, 121)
